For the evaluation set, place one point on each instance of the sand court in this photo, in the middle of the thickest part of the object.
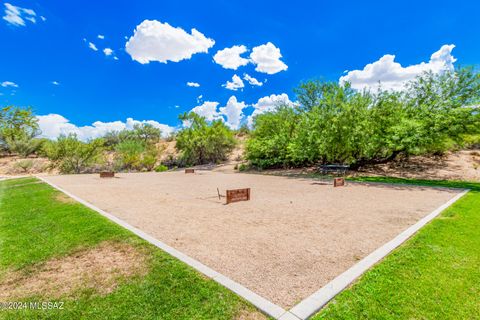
(293, 236)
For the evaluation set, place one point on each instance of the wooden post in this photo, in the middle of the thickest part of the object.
(338, 182)
(107, 174)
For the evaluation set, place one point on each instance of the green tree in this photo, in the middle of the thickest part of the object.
(18, 126)
(144, 133)
(443, 105)
(204, 142)
(268, 145)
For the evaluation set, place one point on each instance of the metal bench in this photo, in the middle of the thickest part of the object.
(333, 169)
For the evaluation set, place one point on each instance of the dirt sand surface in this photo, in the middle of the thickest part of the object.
(293, 237)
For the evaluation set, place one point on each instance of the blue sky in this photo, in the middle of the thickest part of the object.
(47, 61)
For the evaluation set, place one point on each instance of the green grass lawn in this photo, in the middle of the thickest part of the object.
(36, 227)
(434, 275)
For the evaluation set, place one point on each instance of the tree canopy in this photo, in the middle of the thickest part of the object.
(334, 123)
(18, 127)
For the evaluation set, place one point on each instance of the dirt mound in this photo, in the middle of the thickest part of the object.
(14, 165)
(99, 269)
(167, 149)
(461, 165)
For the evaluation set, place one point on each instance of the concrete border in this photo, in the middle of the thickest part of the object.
(309, 306)
(261, 303)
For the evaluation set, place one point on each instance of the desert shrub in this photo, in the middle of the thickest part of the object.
(161, 168)
(244, 130)
(174, 162)
(149, 158)
(204, 142)
(242, 167)
(335, 124)
(472, 141)
(24, 165)
(24, 145)
(71, 155)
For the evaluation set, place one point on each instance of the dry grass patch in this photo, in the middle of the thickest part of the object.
(250, 314)
(61, 197)
(99, 269)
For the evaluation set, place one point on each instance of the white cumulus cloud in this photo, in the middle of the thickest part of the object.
(156, 41)
(391, 75)
(268, 103)
(56, 83)
(16, 16)
(233, 111)
(6, 84)
(235, 84)
(101, 36)
(230, 58)
(251, 80)
(107, 51)
(267, 58)
(92, 46)
(53, 125)
(193, 84)
(208, 109)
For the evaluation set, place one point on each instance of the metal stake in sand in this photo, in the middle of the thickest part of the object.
(220, 195)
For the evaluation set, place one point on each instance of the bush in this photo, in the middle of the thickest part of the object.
(129, 154)
(204, 142)
(24, 165)
(149, 158)
(24, 146)
(243, 167)
(135, 155)
(161, 168)
(174, 162)
(71, 155)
